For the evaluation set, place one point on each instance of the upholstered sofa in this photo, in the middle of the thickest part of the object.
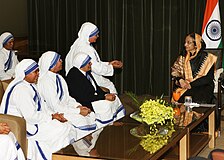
(16, 124)
(18, 127)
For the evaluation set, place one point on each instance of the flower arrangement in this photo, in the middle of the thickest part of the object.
(158, 115)
(156, 112)
(152, 112)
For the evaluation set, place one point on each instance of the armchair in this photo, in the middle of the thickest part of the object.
(18, 127)
(16, 124)
(218, 87)
(219, 101)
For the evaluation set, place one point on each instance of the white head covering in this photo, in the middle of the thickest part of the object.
(47, 61)
(86, 31)
(4, 38)
(22, 69)
(25, 67)
(81, 60)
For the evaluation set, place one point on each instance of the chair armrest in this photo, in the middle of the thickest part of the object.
(18, 127)
(220, 89)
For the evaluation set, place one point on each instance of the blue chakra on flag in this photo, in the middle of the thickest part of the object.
(213, 30)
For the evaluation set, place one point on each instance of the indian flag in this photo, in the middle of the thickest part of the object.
(211, 29)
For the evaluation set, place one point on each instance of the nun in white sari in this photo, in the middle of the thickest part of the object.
(8, 59)
(88, 34)
(54, 90)
(45, 133)
(82, 86)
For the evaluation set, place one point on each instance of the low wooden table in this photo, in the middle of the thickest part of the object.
(203, 139)
(116, 142)
(196, 141)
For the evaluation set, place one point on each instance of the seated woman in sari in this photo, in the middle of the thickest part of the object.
(8, 59)
(193, 72)
(83, 87)
(54, 91)
(47, 132)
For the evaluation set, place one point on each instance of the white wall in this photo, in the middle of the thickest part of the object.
(13, 17)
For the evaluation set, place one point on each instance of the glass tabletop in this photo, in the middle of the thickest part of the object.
(118, 142)
(123, 141)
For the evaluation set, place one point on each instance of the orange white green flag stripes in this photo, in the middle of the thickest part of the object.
(211, 29)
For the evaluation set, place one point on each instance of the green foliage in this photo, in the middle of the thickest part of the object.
(134, 98)
(158, 115)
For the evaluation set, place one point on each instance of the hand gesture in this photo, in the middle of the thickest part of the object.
(110, 97)
(184, 84)
(116, 64)
(4, 128)
(84, 111)
(60, 117)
